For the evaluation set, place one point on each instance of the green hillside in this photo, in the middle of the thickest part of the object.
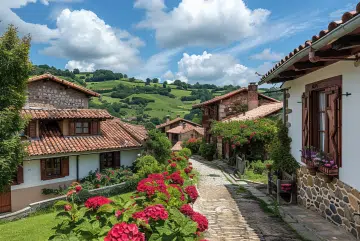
(138, 101)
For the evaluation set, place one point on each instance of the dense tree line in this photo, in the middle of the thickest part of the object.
(123, 91)
(103, 75)
(44, 68)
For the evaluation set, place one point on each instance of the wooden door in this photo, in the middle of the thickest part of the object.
(5, 200)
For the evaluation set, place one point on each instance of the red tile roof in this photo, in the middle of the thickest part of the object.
(200, 130)
(257, 113)
(177, 146)
(137, 131)
(57, 114)
(64, 82)
(52, 142)
(228, 95)
(180, 129)
(322, 34)
(178, 119)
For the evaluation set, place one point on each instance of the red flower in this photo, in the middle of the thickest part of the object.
(187, 170)
(156, 176)
(125, 232)
(71, 192)
(233, 146)
(173, 165)
(141, 215)
(150, 186)
(201, 220)
(190, 163)
(78, 188)
(187, 210)
(98, 176)
(192, 192)
(67, 207)
(118, 213)
(176, 178)
(96, 202)
(156, 212)
(169, 161)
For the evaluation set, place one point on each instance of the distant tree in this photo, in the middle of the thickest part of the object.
(155, 80)
(148, 81)
(82, 77)
(150, 126)
(87, 74)
(155, 120)
(132, 79)
(120, 75)
(164, 84)
(14, 68)
(125, 76)
(177, 82)
(76, 71)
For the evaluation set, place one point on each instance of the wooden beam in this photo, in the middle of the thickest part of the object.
(292, 73)
(346, 42)
(308, 65)
(334, 53)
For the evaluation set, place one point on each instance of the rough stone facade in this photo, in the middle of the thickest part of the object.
(336, 201)
(233, 105)
(49, 94)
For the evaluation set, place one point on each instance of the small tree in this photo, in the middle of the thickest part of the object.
(155, 80)
(14, 73)
(280, 151)
(76, 71)
(148, 81)
(158, 145)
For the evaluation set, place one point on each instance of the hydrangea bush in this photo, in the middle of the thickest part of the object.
(160, 209)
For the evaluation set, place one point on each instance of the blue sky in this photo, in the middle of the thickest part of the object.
(209, 41)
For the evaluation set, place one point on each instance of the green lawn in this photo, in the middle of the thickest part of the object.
(34, 228)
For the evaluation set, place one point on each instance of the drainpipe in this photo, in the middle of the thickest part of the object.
(77, 168)
(338, 32)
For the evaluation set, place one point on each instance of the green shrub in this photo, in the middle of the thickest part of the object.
(158, 145)
(207, 150)
(185, 152)
(193, 144)
(280, 151)
(258, 167)
(146, 165)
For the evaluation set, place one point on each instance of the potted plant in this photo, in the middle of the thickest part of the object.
(328, 166)
(310, 157)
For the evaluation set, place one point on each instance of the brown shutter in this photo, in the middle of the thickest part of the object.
(71, 128)
(117, 159)
(306, 130)
(65, 166)
(94, 127)
(333, 111)
(20, 174)
(43, 169)
(32, 129)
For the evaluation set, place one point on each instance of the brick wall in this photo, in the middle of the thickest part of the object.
(50, 94)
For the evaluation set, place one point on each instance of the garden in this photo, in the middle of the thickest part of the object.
(159, 208)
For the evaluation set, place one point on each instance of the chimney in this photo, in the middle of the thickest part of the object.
(167, 118)
(253, 97)
(184, 125)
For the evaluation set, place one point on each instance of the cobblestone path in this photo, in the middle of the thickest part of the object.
(232, 214)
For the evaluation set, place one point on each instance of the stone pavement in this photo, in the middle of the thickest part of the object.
(233, 214)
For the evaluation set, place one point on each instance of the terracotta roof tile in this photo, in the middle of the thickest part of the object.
(331, 27)
(181, 129)
(177, 146)
(176, 120)
(57, 114)
(64, 82)
(113, 136)
(200, 130)
(259, 112)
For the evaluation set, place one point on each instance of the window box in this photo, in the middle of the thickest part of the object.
(329, 171)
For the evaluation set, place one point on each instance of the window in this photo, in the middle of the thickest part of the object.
(109, 160)
(53, 167)
(322, 120)
(82, 127)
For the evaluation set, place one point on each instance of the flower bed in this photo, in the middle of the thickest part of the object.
(318, 160)
(159, 210)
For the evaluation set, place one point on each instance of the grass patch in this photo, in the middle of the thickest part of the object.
(251, 176)
(37, 227)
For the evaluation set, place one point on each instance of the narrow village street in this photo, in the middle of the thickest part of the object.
(234, 214)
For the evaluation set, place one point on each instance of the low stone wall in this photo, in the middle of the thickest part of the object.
(337, 202)
(33, 207)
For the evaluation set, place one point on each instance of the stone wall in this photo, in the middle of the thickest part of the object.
(49, 94)
(336, 201)
(264, 101)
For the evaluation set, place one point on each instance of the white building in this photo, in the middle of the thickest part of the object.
(321, 79)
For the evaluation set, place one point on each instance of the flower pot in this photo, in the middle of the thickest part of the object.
(333, 172)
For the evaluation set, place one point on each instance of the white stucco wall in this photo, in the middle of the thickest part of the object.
(128, 157)
(349, 172)
(32, 174)
(88, 163)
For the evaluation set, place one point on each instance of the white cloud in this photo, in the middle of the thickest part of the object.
(337, 14)
(267, 55)
(201, 22)
(40, 33)
(219, 69)
(90, 43)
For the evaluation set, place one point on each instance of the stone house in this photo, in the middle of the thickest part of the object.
(67, 140)
(241, 104)
(321, 78)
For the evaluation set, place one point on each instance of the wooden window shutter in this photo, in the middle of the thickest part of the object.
(333, 111)
(32, 129)
(116, 159)
(43, 169)
(65, 166)
(306, 128)
(20, 174)
(71, 128)
(95, 127)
